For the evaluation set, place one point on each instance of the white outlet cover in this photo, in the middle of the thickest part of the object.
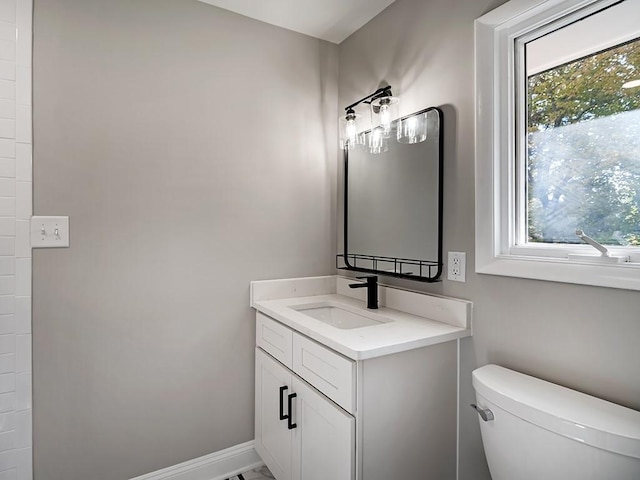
(457, 266)
(49, 232)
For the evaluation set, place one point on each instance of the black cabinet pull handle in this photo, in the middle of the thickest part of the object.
(282, 415)
(290, 424)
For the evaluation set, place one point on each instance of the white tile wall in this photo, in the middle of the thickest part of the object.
(8, 108)
(22, 396)
(7, 206)
(7, 440)
(8, 185)
(7, 89)
(7, 70)
(16, 209)
(7, 324)
(7, 422)
(7, 363)
(7, 146)
(8, 402)
(7, 304)
(7, 344)
(9, 474)
(7, 285)
(22, 315)
(8, 11)
(7, 128)
(7, 382)
(8, 167)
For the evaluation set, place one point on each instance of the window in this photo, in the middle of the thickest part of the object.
(558, 141)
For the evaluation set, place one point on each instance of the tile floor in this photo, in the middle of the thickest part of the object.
(261, 473)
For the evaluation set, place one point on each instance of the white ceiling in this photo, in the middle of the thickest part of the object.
(331, 20)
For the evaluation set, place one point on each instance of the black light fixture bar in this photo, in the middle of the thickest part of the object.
(381, 92)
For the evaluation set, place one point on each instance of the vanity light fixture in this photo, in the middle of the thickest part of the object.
(351, 130)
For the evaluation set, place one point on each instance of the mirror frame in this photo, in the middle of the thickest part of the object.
(429, 270)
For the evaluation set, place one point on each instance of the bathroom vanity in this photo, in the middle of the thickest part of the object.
(347, 393)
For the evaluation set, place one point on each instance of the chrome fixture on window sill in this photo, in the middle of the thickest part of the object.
(604, 257)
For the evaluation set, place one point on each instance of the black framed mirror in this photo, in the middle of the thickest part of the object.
(393, 202)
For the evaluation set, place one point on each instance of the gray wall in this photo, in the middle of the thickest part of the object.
(579, 336)
(189, 146)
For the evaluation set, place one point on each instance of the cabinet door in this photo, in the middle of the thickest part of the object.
(273, 438)
(324, 440)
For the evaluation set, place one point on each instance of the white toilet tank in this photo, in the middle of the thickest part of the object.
(542, 431)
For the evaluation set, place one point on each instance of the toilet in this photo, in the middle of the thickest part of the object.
(535, 430)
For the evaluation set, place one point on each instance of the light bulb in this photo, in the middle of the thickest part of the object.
(383, 113)
(350, 135)
(385, 117)
(351, 131)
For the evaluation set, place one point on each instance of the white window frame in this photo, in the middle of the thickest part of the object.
(496, 61)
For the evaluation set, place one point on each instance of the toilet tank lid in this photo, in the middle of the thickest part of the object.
(561, 410)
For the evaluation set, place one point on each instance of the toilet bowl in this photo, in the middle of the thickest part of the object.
(534, 430)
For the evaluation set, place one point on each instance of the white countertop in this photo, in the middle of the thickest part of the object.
(404, 331)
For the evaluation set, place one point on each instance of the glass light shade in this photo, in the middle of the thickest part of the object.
(378, 141)
(383, 112)
(412, 129)
(351, 134)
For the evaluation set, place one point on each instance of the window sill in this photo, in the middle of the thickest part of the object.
(625, 276)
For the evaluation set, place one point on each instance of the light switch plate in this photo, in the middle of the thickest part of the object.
(49, 232)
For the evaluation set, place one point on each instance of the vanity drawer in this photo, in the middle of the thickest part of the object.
(328, 371)
(274, 338)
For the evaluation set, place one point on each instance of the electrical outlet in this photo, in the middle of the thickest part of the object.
(456, 267)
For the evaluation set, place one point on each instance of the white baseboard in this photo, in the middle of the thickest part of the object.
(215, 466)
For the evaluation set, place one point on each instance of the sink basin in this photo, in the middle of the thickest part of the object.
(338, 316)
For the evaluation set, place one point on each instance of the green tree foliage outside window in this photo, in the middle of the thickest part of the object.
(583, 164)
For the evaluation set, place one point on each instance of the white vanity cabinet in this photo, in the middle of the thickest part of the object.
(391, 416)
(300, 434)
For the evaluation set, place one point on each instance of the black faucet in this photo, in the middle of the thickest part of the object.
(372, 290)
